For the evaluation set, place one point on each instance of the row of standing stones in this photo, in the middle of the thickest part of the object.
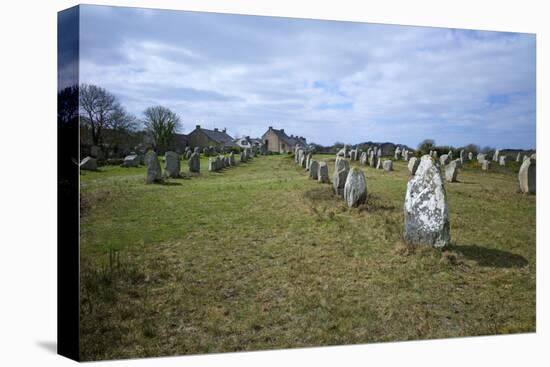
(172, 159)
(426, 213)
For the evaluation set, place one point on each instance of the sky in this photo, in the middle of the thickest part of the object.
(329, 81)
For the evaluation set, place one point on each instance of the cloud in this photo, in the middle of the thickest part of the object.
(324, 80)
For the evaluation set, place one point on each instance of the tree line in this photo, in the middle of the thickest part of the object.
(106, 121)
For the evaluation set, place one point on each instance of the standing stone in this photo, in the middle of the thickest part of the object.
(486, 165)
(363, 159)
(444, 159)
(387, 165)
(525, 157)
(314, 169)
(95, 151)
(534, 156)
(470, 156)
(188, 154)
(88, 164)
(426, 211)
(379, 153)
(528, 176)
(435, 154)
(308, 161)
(502, 160)
(231, 159)
(397, 153)
(413, 165)
(405, 155)
(451, 171)
(131, 160)
(172, 165)
(226, 161)
(211, 165)
(322, 173)
(341, 170)
(378, 163)
(372, 159)
(481, 157)
(518, 157)
(495, 155)
(154, 173)
(303, 161)
(355, 188)
(461, 156)
(242, 157)
(194, 162)
(450, 154)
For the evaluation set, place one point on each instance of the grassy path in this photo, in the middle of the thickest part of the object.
(259, 257)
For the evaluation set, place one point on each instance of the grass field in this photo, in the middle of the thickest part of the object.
(258, 256)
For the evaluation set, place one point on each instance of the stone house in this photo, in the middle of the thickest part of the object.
(278, 141)
(202, 138)
(248, 142)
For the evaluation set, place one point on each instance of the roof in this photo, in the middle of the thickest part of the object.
(218, 136)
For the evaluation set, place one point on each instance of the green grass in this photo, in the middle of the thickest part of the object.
(258, 256)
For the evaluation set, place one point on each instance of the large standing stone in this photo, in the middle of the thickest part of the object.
(308, 161)
(231, 159)
(188, 154)
(322, 174)
(406, 155)
(379, 153)
(378, 163)
(341, 170)
(313, 169)
(481, 157)
(131, 160)
(88, 164)
(444, 159)
(355, 188)
(303, 161)
(172, 167)
(502, 160)
(435, 154)
(461, 156)
(518, 157)
(387, 165)
(426, 211)
(528, 176)
(495, 155)
(486, 165)
(470, 156)
(242, 157)
(451, 171)
(194, 162)
(154, 173)
(413, 165)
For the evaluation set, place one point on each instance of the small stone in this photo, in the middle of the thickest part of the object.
(154, 173)
(322, 174)
(88, 164)
(172, 165)
(313, 169)
(387, 165)
(413, 165)
(451, 171)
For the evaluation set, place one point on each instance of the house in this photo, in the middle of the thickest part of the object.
(205, 138)
(248, 142)
(279, 142)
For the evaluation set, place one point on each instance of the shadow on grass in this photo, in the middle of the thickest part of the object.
(167, 183)
(490, 257)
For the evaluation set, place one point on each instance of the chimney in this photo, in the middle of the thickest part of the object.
(224, 130)
(283, 130)
(271, 128)
(198, 127)
(247, 137)
(215, 129)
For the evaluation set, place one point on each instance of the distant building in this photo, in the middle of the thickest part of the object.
(248, 142)
(180, 142)
(205, 138)
(278, 141)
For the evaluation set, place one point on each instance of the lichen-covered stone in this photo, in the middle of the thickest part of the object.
(481, 157)
(355, 188)
(154, 172)
(470, 156)
(528, 176)
(387, 165)
(486, 165)
(444, 159)
(502, 160)
(313, 169)
(172, 164)
(194, 162)
(322, 173)
(426, 210)
(341, 170)
(451, 171)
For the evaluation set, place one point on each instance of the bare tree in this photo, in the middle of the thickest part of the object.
(99, 109)
(162, 124)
